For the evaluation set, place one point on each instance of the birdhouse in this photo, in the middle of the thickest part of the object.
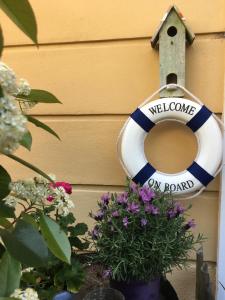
(171, 39)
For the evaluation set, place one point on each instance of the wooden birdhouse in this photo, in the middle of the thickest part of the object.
(171, 38)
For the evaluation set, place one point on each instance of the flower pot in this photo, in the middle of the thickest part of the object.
(64, 296)
(138, 290)
(104, 294)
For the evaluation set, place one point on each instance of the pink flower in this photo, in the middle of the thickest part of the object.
(50, 198)
(65, 185)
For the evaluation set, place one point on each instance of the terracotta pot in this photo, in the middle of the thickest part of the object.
(138, 290)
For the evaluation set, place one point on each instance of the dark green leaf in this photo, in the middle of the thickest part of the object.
(38, 123)
(4, 223)
(10, 273)
(21, 13)
(1, 41)
(7, 298)
(39, 96)
(6, 211)
(28, 165)
(29, 219)
(56, 239)
(76, 242)
(2, 250)
(79, 229)
(4, 183)
(26, 140)
(26, 244)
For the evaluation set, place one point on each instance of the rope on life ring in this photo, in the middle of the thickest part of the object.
(198, 118)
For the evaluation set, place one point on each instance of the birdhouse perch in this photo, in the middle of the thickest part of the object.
(171, 38)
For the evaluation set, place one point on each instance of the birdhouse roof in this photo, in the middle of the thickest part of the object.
(189, 34)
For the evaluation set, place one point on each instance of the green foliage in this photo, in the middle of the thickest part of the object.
(6, 211)
(27, 140)
(141, 234)
(10, 273)
(26, 244)
(21, 13)
(38, 123)
(79, 229)
(39, 96)
(4, 183)
(56, 238)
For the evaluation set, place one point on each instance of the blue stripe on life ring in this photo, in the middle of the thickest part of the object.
(199, 173)
(144, 174)
(199, 119)
(140, 118)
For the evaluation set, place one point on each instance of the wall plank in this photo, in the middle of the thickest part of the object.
(114, 77)
(204, 210)
(78, 20)
(87, 153)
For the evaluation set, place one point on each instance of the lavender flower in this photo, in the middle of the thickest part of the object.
(179, 209)
(106, 274)
(99, 215)
(171, 213)
(95, 233)
(143, 222)
(122, 198)
(125, 222)
(105, 199)
(133, 208)
(134, 187)
(190, 224)
(146, 194)
(151, 209)
(115, 214)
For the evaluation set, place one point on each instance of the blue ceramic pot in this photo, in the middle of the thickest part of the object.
(64, 296)
(138, 290)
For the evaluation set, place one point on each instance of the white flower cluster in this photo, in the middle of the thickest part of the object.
(28, 294)
(40, 191)
(12, 121)
(62, 201)
(12, 125)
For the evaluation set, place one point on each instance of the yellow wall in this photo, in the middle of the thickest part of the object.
(96, 57)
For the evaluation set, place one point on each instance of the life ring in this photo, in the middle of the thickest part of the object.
(198, 118)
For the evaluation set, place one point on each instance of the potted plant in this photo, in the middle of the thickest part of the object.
(140, 235)
(45, 207)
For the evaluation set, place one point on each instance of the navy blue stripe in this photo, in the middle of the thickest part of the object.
(199, 173)
(140, 118)
(144, 174)
(199, 119)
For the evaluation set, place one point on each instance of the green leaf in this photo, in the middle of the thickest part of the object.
(2, 250)
(56, 239)
(26, 244)
(26, 140)
(28, 165)
(4, 183)
(76, 242)
(6, 211)
(1, 41)
(79, 229)
(7, 298)
(10, 273)
(29, 219)
(39, 96)
(21, 13)
(4, 223)
(38, 123)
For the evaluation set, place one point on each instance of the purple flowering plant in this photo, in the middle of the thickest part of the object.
(141, 234)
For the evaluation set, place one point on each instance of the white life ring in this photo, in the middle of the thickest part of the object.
(198, 118)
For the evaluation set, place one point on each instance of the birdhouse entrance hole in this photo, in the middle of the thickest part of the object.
(171, 78)
(172, 31)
